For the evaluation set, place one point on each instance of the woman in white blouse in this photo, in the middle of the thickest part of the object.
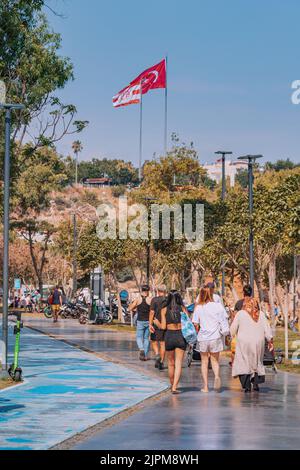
(211, 322)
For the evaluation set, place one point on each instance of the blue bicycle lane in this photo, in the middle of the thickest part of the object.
(66, 391)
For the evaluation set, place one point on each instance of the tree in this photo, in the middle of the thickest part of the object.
(242, 177)
(282, 164)
(77, 148)
(42, 173)
(33, 69)
(38, 235)
(18, 261)
(111, 254)
(180, 167)
(119, 171)
(275, 225)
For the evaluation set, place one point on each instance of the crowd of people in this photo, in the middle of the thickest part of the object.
(29, 300)
(246, 331)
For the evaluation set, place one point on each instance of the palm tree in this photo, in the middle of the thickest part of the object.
(77, 148)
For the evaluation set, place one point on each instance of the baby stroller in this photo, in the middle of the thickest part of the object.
(193, 354)
(269, 358)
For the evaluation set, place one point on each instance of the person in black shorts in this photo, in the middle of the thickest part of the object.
(174, 341)
(157, 335)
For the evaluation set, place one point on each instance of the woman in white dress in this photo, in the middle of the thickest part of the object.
(251, 329)
(211, 322)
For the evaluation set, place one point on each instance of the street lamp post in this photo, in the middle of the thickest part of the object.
(223, 153)
(148, 200)
(251, 160)
(77, 147)
(8, 107)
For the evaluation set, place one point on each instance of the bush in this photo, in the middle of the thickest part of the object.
(118, 191)
(60, 203)
(90, 198)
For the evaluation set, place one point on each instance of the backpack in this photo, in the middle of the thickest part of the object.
(188, 330)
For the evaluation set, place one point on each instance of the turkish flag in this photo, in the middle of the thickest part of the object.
(154, 77)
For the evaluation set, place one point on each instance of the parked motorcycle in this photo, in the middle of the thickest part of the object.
(103, 315)
(115, 313)
(72, 310)
(47, 311)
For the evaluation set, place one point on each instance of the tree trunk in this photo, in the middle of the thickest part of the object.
(259, 286)
(120, 313)
(195, 277)
(272, 284)
(41, 286)
(279, 300)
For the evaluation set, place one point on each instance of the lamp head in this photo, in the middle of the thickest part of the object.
(250, 158)
(220, 152)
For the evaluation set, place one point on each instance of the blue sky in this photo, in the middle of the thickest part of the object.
(231, 65)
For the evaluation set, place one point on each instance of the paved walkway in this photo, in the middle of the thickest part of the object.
(226, 420)
(66, 391)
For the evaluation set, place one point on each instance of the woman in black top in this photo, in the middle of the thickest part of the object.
(174, 341)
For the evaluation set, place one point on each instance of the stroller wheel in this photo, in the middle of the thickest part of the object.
(190, 356)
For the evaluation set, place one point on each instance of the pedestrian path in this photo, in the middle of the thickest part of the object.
(230, 420)
(192, 420)
(66, 391)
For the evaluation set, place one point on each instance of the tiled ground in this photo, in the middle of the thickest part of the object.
(66, 391)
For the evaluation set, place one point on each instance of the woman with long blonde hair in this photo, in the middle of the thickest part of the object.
(211, 323)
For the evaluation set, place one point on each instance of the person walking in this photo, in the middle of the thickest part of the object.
(216, 297)
(56, 303)
(142, 306)
(212, 325)
(28, 303)
(158, 335)
(38, 299)
(175, 343)
(252, 329)
(247, 294)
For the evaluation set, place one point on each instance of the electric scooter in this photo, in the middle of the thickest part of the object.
(15, 371)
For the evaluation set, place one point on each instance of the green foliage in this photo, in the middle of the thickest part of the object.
(118, 191)
(281, 165)
(124, 275)
(242, 177)
(93, 252)
(40, 172)
(179, 167)
(29, 62)
(33, 69)
(119, 171)
(89, 197)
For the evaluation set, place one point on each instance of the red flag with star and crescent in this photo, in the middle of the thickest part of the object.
(154, 77)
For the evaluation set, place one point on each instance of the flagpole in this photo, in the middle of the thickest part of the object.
(166, 108)
(141, 134)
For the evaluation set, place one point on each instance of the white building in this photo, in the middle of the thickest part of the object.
(214, 170)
